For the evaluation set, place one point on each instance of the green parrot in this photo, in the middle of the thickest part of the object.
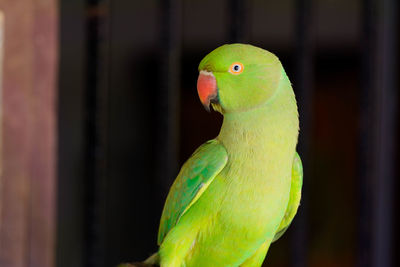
(239, 192)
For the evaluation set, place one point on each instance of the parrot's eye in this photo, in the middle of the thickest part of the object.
(236, 68)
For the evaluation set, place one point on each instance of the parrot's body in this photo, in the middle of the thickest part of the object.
(240, 191)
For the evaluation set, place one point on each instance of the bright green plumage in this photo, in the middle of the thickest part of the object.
(239, 192)
(195, 176)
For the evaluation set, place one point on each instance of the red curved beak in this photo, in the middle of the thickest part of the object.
(207, 88)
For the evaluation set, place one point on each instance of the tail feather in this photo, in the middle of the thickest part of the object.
(152, 261)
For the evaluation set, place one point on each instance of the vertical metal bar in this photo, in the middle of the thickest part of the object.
(96, 130)
(238, 21)
(169, 95)
(385, 143)
(365, 159)
(303, 86)
(70, 159)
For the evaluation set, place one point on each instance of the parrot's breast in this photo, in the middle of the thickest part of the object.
(257, 178)
(257, 181)
(246, 202)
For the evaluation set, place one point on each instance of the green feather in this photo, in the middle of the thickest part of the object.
(195, 176)
(295, 196)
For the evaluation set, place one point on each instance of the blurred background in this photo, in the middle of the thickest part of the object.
(99, 109)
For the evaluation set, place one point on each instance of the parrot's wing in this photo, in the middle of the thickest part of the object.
(193, 179)
(295, 195)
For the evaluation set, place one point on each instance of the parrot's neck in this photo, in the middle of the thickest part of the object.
(264, 138)
(274, 123)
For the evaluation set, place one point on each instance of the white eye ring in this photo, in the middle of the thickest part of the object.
(236, 68)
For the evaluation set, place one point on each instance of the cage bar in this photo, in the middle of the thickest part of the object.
(168, 98)
(303, 86)
(385, 141)
(96, 130)
(238, 21)
(365, 149)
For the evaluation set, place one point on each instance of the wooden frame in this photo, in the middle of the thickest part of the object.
(28, 133)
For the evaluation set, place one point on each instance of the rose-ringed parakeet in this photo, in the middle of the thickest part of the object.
(239, 192)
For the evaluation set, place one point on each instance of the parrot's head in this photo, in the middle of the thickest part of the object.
(238, 77)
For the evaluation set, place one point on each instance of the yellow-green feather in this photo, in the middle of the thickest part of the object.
(295, 196)
(195, 176)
